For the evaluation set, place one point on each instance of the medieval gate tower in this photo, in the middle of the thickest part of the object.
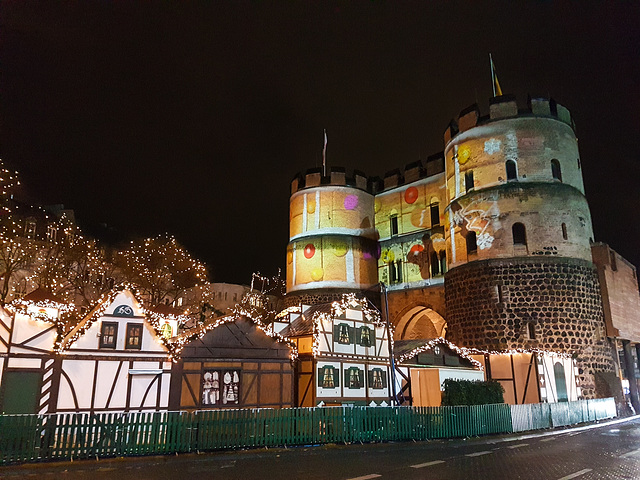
(518, 233)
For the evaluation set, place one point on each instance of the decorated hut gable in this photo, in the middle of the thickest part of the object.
(233, 362)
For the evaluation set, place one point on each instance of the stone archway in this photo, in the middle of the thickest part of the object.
(419, 322)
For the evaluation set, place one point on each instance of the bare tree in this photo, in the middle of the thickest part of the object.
(161, 268)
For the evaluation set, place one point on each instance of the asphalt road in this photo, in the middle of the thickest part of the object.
(610, 451)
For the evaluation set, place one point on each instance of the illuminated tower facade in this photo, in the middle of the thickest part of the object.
(332, 241)
(518, 233)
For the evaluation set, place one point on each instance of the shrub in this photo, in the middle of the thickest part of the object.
(466, 392)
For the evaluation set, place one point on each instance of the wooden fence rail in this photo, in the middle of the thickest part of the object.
(25, 438)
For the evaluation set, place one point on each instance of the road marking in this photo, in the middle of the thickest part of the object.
(428, 464)
(477, 454)
(366, 477)
(519, 445)
(577, 474)
(630, 454)
(548, 439)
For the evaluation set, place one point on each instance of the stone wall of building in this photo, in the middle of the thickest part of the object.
(552, 304)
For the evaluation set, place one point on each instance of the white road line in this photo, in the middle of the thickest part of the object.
(519, 445)
(630, 454)
(428, 464)
(477, 454)
(577, 474)
(548, 439)
(365, 477)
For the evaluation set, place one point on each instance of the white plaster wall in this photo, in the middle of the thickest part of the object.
(24, 328)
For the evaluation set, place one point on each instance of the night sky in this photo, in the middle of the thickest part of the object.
(193, 119)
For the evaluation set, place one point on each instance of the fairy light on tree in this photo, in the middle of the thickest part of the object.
(161, 268)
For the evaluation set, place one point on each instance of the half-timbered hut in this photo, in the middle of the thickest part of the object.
(423, 365)
(343, 352)
(234, 361)
(29, 328)
(115, 359)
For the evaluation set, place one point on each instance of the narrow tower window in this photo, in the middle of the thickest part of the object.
(468, 180)
(472, 246)
(564, 231)
(531, 330)
(443, 262)
(556, 172)
(519, 234)
(435, 214)
(512, 174)
(394, 225)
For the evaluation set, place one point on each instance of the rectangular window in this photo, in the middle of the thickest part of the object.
(365, 337)
(377, 378)
(468, 180)
(435, 215)
(108, 334)
(328, 377)
(134, 336)
(221, 387)
(353, 378)
(394, 225)
(343, 334)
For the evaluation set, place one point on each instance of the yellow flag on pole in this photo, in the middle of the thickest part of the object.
(497, 91)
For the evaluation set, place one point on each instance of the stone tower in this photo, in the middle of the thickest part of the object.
(332, 240)
(518, 233)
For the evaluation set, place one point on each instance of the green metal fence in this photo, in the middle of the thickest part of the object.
(26, 438)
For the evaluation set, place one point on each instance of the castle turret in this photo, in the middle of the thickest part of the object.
(332, 241)
(518, 233)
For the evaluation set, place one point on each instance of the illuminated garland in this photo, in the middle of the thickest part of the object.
(513, 351)
(154, 319)
(440, 341)
(349, 300)
(245, 309)
(338, 308)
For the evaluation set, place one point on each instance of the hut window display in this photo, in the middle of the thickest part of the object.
(328, 377)
(377, 378)
(354, 378)
(365, 337)
(343, 334)
(134, 336)
(108, 334)
(221, 387)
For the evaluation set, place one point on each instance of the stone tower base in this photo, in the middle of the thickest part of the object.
(548, 303)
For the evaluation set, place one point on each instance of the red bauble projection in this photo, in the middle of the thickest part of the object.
(411, 195)
(309, 250)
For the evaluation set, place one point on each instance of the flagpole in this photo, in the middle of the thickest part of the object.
(324, 155)
(493, 82)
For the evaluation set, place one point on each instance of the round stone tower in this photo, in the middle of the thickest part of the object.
(332, 241)
(518, 233)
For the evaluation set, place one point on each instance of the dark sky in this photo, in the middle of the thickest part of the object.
(192, 119)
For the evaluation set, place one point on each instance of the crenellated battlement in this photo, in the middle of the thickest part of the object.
(433, 165)
(504, 107)
(337, 176)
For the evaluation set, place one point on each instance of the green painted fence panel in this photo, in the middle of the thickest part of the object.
(32, 437)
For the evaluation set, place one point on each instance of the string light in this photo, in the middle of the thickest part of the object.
(252, 307)
(436, 342)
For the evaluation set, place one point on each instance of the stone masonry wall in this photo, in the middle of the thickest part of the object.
(490, 304)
